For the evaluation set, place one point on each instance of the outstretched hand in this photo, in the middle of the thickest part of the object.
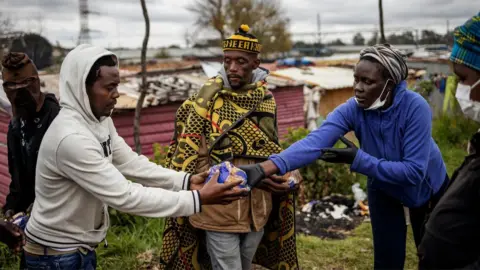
(255, 174)
(221, 193)
(275, 185)
(340, 155)
(12, 236)
(197, 181)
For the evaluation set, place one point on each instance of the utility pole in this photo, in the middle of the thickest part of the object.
(448, 26)
(382, 32)
(416, 38)
(84, 36)
(319, 34)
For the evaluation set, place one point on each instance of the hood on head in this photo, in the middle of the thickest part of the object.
(259, 74)
(73, 74)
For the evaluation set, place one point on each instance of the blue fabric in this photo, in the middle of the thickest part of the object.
(466, 46)
(397, 153)
(443, 83)
(76, 260)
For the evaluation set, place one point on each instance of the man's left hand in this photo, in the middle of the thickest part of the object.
(340, 155)
(12, 236)
(275, 185)
(198, 180)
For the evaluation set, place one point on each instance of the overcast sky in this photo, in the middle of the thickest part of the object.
(120, 22)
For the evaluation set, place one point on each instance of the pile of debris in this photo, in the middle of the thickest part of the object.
(333, 216)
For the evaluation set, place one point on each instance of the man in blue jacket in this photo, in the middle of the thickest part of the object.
(398, 154)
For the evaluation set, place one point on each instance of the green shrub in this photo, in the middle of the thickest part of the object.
(7, 259)
(452, 133)
(454, 130)
(159, 154)
(424, 88)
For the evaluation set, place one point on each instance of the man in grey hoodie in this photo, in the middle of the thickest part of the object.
(83, 166)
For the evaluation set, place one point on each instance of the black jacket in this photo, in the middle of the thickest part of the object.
(23, 142)
(452, 233)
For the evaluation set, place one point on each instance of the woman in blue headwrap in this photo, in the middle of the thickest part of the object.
(397, 152)
(452, 233)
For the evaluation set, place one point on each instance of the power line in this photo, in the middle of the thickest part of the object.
(370, 30)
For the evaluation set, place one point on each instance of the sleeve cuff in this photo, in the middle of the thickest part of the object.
(364, 164)
(197, 204)
(186, 181)
(181, 181)
(356, 161)
(281, 164)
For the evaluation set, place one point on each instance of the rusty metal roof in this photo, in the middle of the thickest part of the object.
(162, 88)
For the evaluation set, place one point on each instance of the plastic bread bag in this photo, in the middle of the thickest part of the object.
(228, 173)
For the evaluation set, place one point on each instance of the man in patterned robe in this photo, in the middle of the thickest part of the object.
(232, 118)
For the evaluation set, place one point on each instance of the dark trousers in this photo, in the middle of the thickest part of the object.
(390, 230)
(23, 264)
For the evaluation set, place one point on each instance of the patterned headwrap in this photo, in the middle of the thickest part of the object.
(242, 41)
(390, 58)
(466, 47)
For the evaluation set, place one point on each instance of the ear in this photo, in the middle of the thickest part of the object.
(256, 61)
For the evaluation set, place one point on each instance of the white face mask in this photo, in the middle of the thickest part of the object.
(378, 103)
(470, 108)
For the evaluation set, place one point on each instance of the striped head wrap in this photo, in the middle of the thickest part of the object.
(466, 46)
(390, 58)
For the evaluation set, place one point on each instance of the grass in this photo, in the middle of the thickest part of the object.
(354, 252)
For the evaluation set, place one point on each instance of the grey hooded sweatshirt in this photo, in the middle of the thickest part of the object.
(83, 166)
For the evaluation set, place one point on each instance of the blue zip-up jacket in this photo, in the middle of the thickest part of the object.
(397, 152)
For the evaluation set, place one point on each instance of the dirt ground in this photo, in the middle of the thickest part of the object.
(318, 222)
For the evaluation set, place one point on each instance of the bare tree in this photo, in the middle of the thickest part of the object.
(210, 14)
(190, 36)
(144, 86)
(35, 23)
(266, 17)
(6, 26)
(382, 32)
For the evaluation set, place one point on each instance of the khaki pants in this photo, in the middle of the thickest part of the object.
(232, 251)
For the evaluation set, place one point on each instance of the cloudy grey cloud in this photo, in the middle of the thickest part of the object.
(120, 22)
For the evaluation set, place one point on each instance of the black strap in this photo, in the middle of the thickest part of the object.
(225, 132)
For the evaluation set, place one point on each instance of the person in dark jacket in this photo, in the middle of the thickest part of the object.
(452, 232)
(33, 111)
(404, 165)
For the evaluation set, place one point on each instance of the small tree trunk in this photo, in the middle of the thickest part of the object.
(144, 86)
(382, 32)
